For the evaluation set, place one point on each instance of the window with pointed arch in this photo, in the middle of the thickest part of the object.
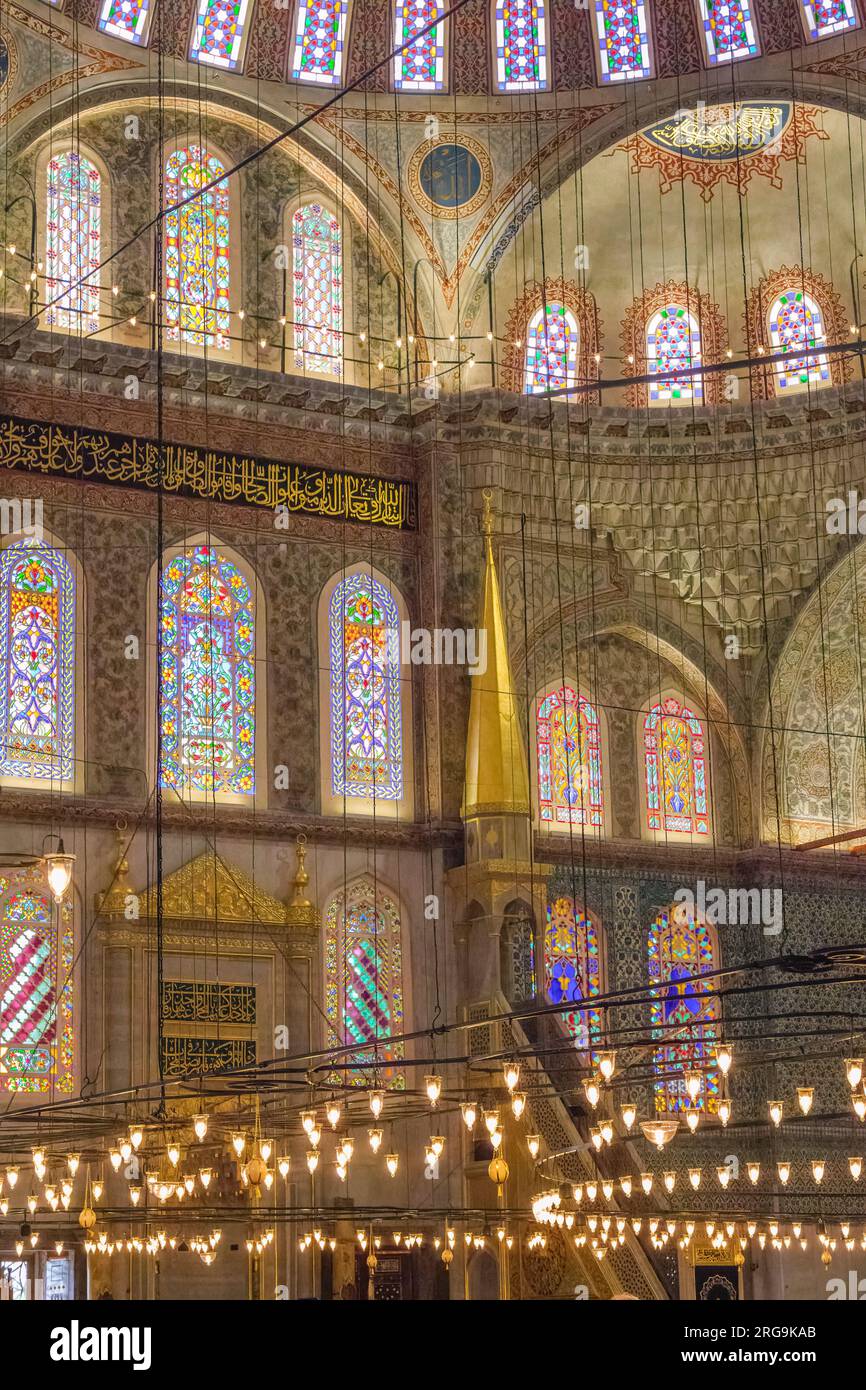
(572, 970)
(821, 18)
(207, 675)
(37, 651)
(676, 778)
(517, 953)
(673, 347)
(623, 39)
(219, 33)
(319, 47)
(197, 250)
(569, 760)
(521, 45)
(796, 323)
(366, 720)
(364, 984)
(552, 346)
(317, 275)
(728, 30)
(420, 67)
(126, 19)
(36, 986)
(73, 243)
(685, 1010)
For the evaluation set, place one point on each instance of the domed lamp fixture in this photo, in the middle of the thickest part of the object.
(659, 1132)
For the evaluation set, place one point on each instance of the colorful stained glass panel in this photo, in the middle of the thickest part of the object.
(676, 775)
(420, 67)
(126, 19)
(568, 743)
(685, 1010)
(552, 344)
(364, 984)
(729, 30)
(207, 675)
(219, 33)
(521, 45)
(319, 44)
(36, 986)
(623, 39)
(317, 274)
(73, 243)
(825, 17)
(796, 322)
(572, 970)
(37, 652)
(197, 268)
(674, 342)
(366, 731)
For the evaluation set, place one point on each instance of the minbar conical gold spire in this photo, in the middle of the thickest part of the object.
(496, 780)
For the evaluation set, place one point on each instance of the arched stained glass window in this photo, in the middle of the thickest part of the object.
(517, 954)
(219, 34)
(673, 341)
(623, 38)
(364, 983)
(677, 784)
(207, 677)
(365, 713)
(796, 322)
(126, 19)
(37, 650)
(572, 970)
(552, 344)
(729, 30)
(685, 1010)
(825, 17)
(36, 955)
(73, 243)
(317, 272)
(320, 41)
(197, 250)
(421, 66)
(521, 45)
(568, 742)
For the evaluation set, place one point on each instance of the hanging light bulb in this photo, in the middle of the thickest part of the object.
(312, 1160)
(805, 1096)
(646, 1182)
(533, 1143)
(859, 1103)
(491, 1120)
(173, 1152)
(607, 1063)
(377, 1102)
(4, 1205)
(855, 1167)
(629, 1113)
(205, 1177)
(693, 1118)
(754, 1172)
(115, 1159)
(854, 1071)
(469, 1111)
(724, 1057)
(670, 1181)
(199, 1126)
(818, 1166)
(511, 1072)
(437, 1144)
(333, 1112)
(592, 1090)
(125, 1146)
(518, 1104)
(308, 1120)
(136, 1137)
(375, 1137)
(239, 1143)
(266, 1148)
(626, 1185)
(58, 871)
(32, 1202)
(135, 1195)
(72, 1162)
(97, 1188)
(391, 1163)
(784, 1171)
(347, 1148)
(433, 1087)
(694, 1081)
(12, 1176)
(724, 1176)
(775, 1108)
(38, 1156)
(695, 1175)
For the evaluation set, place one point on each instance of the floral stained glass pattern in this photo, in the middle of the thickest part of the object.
(320, 41)
(521, 45)
(37, 652)
(207, 675)
(317, 270)
(572, 970)
(796, 323)
(676, 774)
(552, 343)
(73, 243)
(569, 760)
(420, 67)
(685, 1009)
(729, 30)
(197, 250)
(366, 732)
(364, 984)
(36, 986)
(824, 17)
(673, 346)
(218, 36)
(623, 39)
(126, 19)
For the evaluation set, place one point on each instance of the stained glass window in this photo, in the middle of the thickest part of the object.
(623, 39)
(517, 954)
(796, 322)
(73, 243)
(572, 970)
(552, 343)
(197, 250)
(320, 41)
(364, 983)
(37, 651)
(317, 272)
(824, 17)
(521, 45)
(207, 675)
(685, 1009)
(366, 732)
(219, 34)
(673, 340)
(568, 743)
(421, 66)
(729, 30)
(677, 789)
(36, 954)
(126, 19)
